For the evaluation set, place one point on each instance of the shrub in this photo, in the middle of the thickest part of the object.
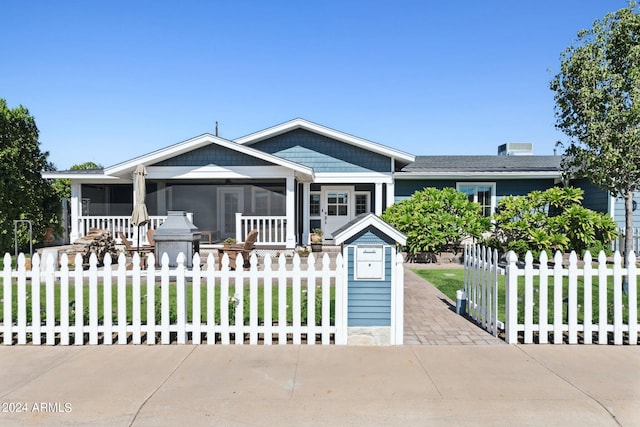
(436, 220)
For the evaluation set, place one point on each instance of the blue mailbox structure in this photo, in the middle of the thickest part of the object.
(374, 281)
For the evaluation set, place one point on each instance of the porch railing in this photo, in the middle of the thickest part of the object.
(115, 224)
(272, 230)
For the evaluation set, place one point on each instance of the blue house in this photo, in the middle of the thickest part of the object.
(292, 178)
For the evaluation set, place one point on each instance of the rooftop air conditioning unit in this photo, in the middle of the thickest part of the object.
(516, 149)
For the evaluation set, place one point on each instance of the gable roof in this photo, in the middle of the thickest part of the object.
(203, 140)
(299, 123)
(530, 166)
(361, 222)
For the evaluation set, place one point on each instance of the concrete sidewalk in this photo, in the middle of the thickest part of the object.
(464, 385)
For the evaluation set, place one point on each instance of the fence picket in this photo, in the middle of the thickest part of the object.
(93, 299)
(632, 296)
(617, 298)
(572, 299)
(136, 321)
(239, 298)
(181, 300)
(36, 323)
(296, 289)
(196, 281)
(78, 302)
(282, 300)
(528, 298)
(225, 302)
(165, 335)
(50, 300)
(558, 314)
(211, 301)
(602, 298)
(253, 300)
(151, 299)
(311, 300)
(107, 298)
(543, 299)
(326, 299)
(268, 300)
(64, 299)
(122, 300)
(588, 299)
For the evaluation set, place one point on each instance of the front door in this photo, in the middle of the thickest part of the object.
(230, 201)
(336, 210)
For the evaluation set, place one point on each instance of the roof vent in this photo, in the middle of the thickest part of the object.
(516, 149)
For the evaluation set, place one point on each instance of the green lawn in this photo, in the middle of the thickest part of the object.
(173, 299)
(448, 281)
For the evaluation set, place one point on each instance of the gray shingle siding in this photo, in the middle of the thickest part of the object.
(323, 154)
(213, 155)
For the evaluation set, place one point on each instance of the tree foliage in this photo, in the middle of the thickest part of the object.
(24, 194)
(597, 92)
(550, 220)
(436, 220)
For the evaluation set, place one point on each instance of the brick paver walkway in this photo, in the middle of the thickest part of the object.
(430, 317)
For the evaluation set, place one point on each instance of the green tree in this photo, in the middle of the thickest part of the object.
(24, 194)
(597, 92)
(435, 220)
(550, 220)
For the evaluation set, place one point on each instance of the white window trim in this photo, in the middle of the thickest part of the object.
(479, 184)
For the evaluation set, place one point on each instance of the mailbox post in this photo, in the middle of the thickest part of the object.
(374, 281)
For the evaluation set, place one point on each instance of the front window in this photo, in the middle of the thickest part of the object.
(362, 203)
(482, 193)
(314, 204)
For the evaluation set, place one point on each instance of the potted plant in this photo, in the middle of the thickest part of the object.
(316, 240)
(229, 241)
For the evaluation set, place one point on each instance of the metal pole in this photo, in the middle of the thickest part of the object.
(15, 235)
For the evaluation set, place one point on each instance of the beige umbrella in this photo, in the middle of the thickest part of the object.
(140, 216)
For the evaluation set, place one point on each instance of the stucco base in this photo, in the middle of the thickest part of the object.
(369, 335)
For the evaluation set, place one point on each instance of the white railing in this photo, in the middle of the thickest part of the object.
(618, 244)
(116, 224)
(272, 230)
(481, 286)
(212, 306)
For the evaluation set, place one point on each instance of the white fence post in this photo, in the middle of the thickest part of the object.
(631, 297)
(511, 322)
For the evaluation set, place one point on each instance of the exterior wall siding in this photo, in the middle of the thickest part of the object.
(370, 300)
(619, 215)
(594, 198)
(323, 154)
(213, 155)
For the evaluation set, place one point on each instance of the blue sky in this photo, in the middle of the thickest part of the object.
(111, 80)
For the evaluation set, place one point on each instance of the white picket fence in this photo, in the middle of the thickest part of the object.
(542, 303)
(481, 286)
(115, 314)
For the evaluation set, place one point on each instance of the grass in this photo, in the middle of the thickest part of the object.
(172, 303)
(448, 281)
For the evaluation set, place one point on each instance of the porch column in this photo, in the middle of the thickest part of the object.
(390, 194)
(306, 190)
(378, 210)
(76, 195)
(291, 208)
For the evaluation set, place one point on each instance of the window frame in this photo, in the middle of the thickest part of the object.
(476, 184)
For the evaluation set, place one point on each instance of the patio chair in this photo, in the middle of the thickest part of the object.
(150, 233)
(129, 247)
(241, 248)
